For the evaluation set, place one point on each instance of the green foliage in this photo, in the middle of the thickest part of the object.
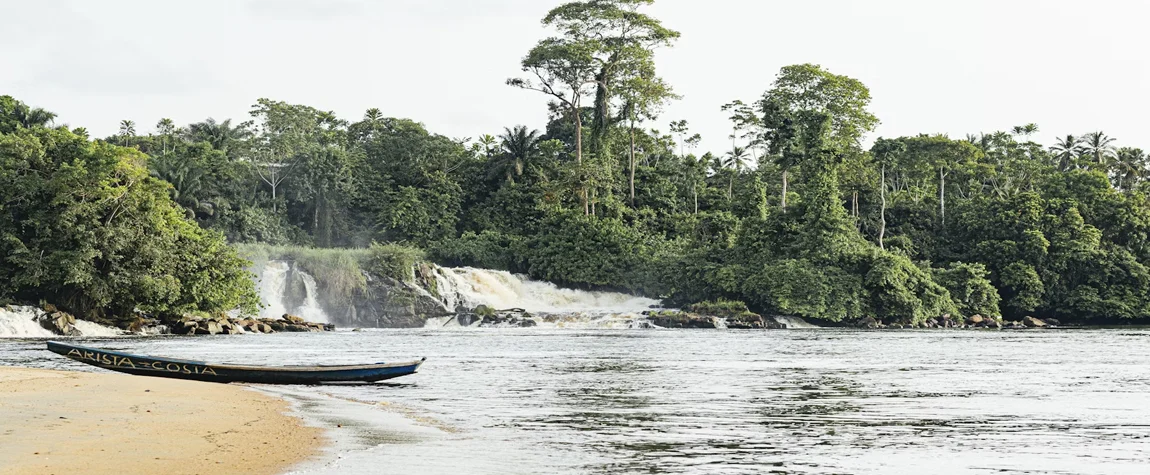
(584, 251)
(720, 308)
(914, 228)
(84, 226)
(970, 287)
(394, 261)
(488, 250)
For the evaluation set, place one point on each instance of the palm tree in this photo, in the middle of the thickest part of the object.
(373, 115)
(1025, 130)
(127, 129)
(1099, 145)
(487, 141)
(30, 117)
(519, 148)
(220, 135)
(694, 171)
(1129, 167)
(737, 160)
(1066, 150)
(186, 180)
(166, 127)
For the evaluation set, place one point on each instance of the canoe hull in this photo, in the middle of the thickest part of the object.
(228, 373)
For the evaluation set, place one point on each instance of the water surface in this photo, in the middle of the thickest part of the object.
(663, 401)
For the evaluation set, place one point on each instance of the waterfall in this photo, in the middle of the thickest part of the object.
(273, 284)
(793, 322)
(472, 287)
(310, 310)
(285, 288)
(22, 322)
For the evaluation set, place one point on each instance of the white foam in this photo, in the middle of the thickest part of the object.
(22, 322)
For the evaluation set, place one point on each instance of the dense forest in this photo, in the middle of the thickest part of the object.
(804, 214)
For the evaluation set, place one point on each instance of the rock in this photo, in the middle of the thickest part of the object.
(975, 319)
(297, 328)
(526, 323)
(276, 326)
(265, 328)
(1052, 322)
(867, 322)
(60, 323)
(214, 328)
(1032, 322)
(467, 319)
(294, 319)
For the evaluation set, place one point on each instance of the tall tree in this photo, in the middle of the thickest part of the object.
(286, 132)
(622, 41)
(735, 162)
(808, 87)
(166, 128)
(564, 69)
(1099, 146)
(643, 95)
(1066, 150)
(127, 129)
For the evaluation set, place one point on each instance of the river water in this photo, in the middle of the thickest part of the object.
(510, 401)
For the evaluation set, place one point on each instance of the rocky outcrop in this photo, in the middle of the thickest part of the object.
(388, 303)
(223, 325)
(60, 323)
(484, 316)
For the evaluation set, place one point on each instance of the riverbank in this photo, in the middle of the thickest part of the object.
(71, 422)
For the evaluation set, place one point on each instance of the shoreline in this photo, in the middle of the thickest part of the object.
(77, 422)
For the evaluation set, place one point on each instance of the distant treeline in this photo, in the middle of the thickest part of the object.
(798, 217)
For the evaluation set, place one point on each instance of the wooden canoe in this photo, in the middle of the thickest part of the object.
(232, 373)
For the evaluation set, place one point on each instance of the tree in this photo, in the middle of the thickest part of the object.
(886, 153)
(221, 135)
(643, 95)
(808, 87)
(736, 161)
(1099, 146)
(488, 142)
(519, 147)
(1129, 167)
(565, 70)
(86, 228)
(1067, 150)
(166, 128)
(18, 114)
(127, 129)
(286, 132)
(622, 42)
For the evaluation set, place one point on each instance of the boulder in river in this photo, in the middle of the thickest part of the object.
(60, 323)
(1032, 322)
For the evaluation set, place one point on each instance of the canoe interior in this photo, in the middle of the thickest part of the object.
(232, 373)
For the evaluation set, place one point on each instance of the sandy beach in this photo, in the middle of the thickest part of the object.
(94, 423)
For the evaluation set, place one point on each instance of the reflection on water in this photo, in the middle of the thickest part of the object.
(644, 401)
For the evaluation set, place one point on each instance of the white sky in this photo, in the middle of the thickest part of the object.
(953, 67)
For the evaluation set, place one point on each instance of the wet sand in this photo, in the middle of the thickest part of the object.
(95, 423)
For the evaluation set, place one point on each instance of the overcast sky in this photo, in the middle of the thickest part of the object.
(953, 67)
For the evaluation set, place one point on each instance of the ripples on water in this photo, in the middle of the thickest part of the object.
(645, 401)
